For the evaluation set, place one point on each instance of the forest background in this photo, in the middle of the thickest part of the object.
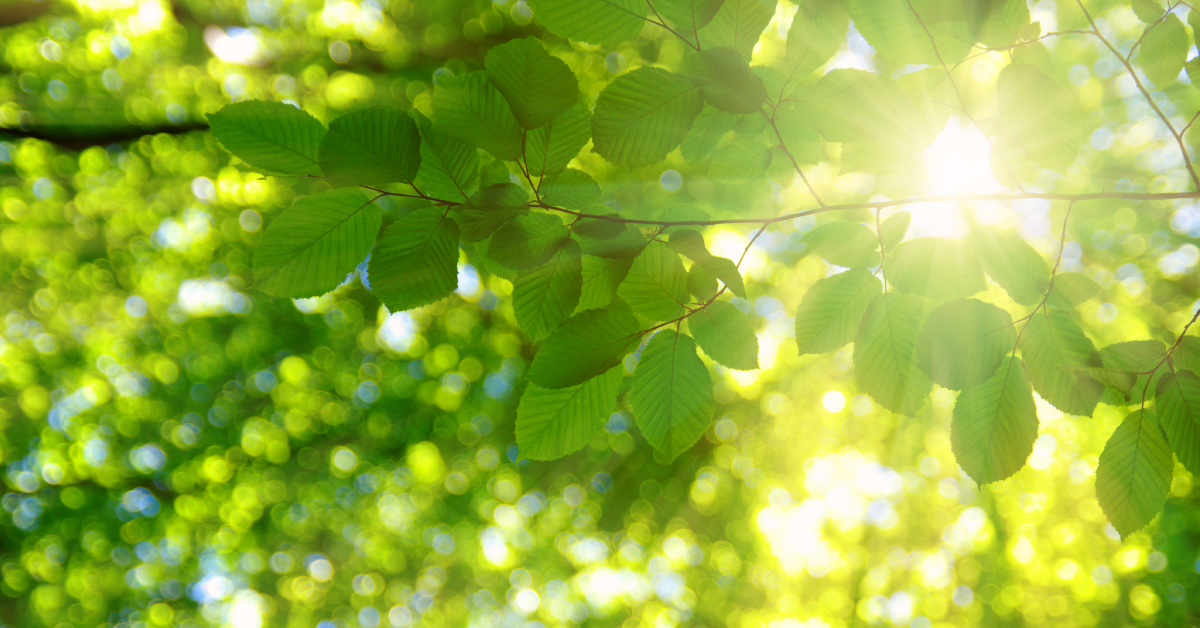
(180, 449)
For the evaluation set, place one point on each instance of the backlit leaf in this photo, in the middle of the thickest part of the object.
(586, 345)
(552, 423)
(528, 240)
(995, 425)
(416, 260)
(601, 276)
(537, 86)
(643, 115)
(1012, 263)
(1178, 406)
(449, 168)
(1134, 473)
(599, 22)
(885, 354)
(1164, 50)
(311, 248)
(963, 342)
(1053, 340)
(738, 25)
(371, 147)
(656, 285)
(272, 136)
(488, 209)
(935, 268)
(546, 295)
(470, 109)
(832, 309)
(844, 243)
(672, 394)
(726, 335)
(550, 147)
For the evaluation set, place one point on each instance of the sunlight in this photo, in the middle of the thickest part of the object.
(958, 162)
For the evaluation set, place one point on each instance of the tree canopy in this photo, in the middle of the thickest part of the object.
(683, 312)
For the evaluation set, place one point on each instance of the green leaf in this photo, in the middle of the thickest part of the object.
(1039, 123)
(1120, 380)
(963, 342)
(691, 244)
(682, 212)
(726, 270)
(1187, 355)
(528, 240)
(586, 345)
(1132, 357)
(688, 16)
(627, 244)
(469, 108)
(832, 309)
(494, 172)
(270, 136)
(1072, 289)
(546, 295)
(1052, 340)
(995, 425)
(537, 86)
(672, 394)
(1193, 19)
(1134, 473)
(885, 354)
(643, 115)
(449, 168)
(740, 161)
(726, 335)
(935, 268)
(725, 80)
(552, 423)
(893, 229)
(1012, 263)
(892, 28)
(599, 228)
(550, 147)
(1148, 11)
(701, 283)
(1164, 51)
(371, 147)
(1178, 405)
(711, 125)
(818, 30)
(998, 23)
(656, 286)
(601, 277)
(312, 247)
(856, 106)
(489, 209)
(416, 260)
(798, 136)
(571, 188)
(738, 25)
(598, 22)
(844, 243)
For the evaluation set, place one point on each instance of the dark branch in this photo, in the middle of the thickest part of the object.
(74, 138)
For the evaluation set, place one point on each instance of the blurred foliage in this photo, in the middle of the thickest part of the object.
(181, 451)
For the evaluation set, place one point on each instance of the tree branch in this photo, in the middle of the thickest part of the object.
(1187, 159)
(961, 198)
(71, 139)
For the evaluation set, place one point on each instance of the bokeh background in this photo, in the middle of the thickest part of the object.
(180, 450)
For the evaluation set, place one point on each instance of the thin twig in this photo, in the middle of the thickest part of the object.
(950, 77)
(1187, 159)
(960, 198)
